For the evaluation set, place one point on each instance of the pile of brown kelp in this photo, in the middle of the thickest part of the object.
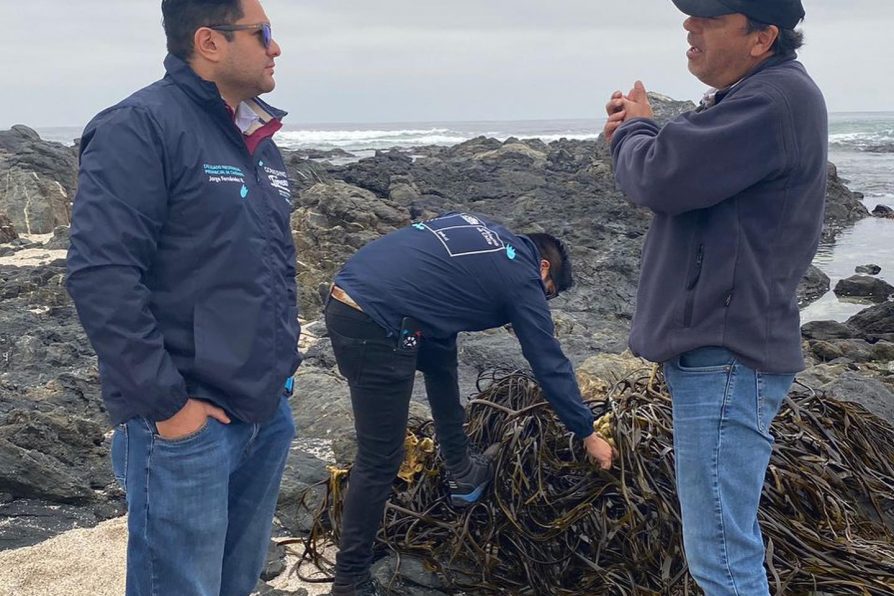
(553, 524)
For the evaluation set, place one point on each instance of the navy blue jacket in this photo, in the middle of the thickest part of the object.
(738, 192)
(181, 265)
(462, 272)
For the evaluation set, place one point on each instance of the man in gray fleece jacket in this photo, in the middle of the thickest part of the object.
(737, 189)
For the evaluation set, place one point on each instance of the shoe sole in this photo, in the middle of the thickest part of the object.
(468, 498)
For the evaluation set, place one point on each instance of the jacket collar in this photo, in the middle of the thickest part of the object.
(768, 63)
(205, 92)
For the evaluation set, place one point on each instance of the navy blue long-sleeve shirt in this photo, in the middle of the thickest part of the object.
(462, 272)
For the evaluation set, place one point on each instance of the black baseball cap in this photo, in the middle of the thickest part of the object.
(782, 13)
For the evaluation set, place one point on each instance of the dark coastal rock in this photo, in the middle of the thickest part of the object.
(25, 522)
(299, 498)
(824, 351)
(866, 391)
(868, 269)
(34, 203)
(665, 108)
(854, 350)
(265, 589)
(321, 154)
(473, 147)
(321, 406)
(331, 221)
(26, 150)
(876, 321)
(864, 286)
(820, 374)
(883, 211)
(883, 351)
(7, 229)
(40, 178)
(374, 174)
(275, 562)
(408, 576)
(32, 474)
(516, 153)
(843, 206)
(61, 239)
(492, 349)
(813, 286)
(880, 148)
(826, 330)
(53, 427)
(18, 137)
(304, 172)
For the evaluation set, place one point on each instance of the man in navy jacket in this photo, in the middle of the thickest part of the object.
(737, 189)
(182, 269)
(396, 307)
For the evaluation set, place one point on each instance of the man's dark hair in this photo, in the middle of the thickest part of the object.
(552, 249)
(786, 42)
(183, 17)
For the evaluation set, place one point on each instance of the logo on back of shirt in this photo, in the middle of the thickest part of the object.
(463, 235)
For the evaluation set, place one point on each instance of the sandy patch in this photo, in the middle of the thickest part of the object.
(92, 561)
(32, 257)
(84, 561)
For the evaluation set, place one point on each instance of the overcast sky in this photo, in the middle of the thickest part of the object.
(416, 60)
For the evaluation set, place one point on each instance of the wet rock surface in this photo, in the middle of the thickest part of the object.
(7, 229)
(813, 285)
(864, 286)
(868, 269)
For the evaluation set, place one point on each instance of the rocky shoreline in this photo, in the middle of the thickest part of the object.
(54, 434)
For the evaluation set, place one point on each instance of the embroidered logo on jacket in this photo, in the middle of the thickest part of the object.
(280, 181)
(219, 174)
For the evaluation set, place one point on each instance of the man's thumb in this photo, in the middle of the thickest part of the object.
(217, 413)
(639, 91)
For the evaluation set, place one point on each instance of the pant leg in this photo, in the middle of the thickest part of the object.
(381, 382)
(722, 411)
(258, 461)
(177, 509)
(438, 362)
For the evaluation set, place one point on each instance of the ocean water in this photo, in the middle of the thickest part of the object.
(860, 144)
(365, 138)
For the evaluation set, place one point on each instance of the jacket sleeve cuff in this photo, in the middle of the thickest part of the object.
(167, 409)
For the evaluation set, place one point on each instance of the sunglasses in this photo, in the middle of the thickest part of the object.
(262, 28)
(553, 292)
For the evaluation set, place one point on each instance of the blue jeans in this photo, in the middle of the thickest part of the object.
(722, 412)
(200, 508)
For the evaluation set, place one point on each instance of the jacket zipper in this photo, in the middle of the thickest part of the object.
(690, 285)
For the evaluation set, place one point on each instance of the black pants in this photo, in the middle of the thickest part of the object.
(381, 382)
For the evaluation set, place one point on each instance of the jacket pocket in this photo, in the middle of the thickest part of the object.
(695, 272)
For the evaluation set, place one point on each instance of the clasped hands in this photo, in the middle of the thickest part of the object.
(621, 108)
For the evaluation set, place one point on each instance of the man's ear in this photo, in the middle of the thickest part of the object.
(544, 266)
(207, 43)
(764, 41)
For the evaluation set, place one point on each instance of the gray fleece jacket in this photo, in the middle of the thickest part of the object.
(737, 191)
